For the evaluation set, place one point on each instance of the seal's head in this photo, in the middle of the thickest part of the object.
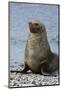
(36, 26)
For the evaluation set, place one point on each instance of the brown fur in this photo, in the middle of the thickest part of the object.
(37, 53)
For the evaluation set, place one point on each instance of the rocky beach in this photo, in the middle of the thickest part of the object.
(30, 79)
(20, 14)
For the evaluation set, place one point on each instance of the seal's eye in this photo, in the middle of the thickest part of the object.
(36, 24)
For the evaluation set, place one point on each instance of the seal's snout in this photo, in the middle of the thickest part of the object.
(34, 27)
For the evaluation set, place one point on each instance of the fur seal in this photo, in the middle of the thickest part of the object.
(38, 55)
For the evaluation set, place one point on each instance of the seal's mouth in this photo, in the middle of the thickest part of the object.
(34, 28)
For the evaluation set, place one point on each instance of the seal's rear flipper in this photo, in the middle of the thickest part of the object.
(49, 74)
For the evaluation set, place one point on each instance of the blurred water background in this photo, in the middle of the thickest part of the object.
(20, 15)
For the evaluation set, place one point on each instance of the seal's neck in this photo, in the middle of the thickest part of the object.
(35, 36)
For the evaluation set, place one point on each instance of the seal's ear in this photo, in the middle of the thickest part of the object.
(42, 27)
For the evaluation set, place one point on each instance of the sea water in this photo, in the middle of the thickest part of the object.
(20, 14)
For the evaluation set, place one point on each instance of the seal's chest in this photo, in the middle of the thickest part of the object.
(34, 48)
